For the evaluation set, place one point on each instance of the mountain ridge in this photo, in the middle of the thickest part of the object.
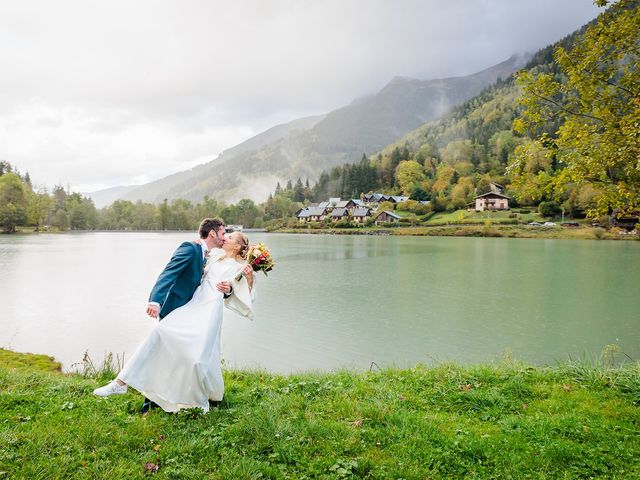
(304, 147)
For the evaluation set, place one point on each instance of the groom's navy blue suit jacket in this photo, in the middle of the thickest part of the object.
(179, 279)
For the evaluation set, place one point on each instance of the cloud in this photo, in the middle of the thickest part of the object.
(109, 92)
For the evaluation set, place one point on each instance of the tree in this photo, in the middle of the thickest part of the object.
(40, 204)
(298, 191)
(409, 173)
(60, 220)
(549, 209)
(5, 167)
(420, 194)
(597, 99)
(81, 211)
(389, 206)
(164, 215)
(13, 202)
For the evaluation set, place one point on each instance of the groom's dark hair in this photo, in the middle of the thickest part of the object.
(209, 224)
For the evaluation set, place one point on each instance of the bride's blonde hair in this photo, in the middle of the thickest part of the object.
(244, 245)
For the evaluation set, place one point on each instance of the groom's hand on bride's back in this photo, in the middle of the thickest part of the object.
(153, 310)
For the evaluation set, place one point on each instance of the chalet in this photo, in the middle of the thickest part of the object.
(323, 205)
(348, 204)
(492, 201)
(397, 198)
(386, 217)
(360, 214)
(373, 198)
(303, 214)
(339, 214)
(333, 202)
(317, 214)
(367, 197)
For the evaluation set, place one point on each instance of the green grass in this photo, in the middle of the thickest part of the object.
(490, 421)
(28, 361)
(463, 216)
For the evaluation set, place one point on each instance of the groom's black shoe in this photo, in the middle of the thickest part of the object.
(215, 403)
(148, 405)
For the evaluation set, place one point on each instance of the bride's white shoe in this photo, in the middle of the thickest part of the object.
(111, 388)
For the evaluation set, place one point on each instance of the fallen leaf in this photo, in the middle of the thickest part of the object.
(524, 406)
(357, 423)
(151, 467)
(156, 448)
(466, 387)
(161, 437)
(566, 387)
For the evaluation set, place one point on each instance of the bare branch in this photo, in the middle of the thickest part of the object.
(563, 108)
(613, 84)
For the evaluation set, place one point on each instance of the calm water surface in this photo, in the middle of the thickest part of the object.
(336, 301)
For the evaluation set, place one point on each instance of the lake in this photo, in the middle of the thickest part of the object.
(336, 301)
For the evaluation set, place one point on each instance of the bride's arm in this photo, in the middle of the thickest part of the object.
(248, 274)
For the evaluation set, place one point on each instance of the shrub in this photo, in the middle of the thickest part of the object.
(344, 223)
(598, 233)
(420, 209)
(549, 209)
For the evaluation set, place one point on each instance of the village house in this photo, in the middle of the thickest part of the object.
(375, 198)
(314, 214)
(491, 201)
(386, 217)
(348, 204)
(339, 214)
(360, 214)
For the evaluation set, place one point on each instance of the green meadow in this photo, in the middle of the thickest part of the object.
(504, 421)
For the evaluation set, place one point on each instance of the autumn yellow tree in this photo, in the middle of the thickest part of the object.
(597, 98)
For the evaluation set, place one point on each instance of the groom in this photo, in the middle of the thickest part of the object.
(178, 281)
(180, 278)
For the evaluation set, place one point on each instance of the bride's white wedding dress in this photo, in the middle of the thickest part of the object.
(178, 365)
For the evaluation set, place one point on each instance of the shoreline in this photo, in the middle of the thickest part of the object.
(471, 230)
(458, 230)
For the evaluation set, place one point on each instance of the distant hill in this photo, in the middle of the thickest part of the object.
(305, 147)
(104, 198)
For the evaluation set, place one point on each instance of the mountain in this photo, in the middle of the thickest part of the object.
(305, 147)
(106, 197)
(459, 153)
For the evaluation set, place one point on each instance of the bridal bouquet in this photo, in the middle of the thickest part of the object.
(259, 258)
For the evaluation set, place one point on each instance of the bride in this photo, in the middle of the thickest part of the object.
(178, 365)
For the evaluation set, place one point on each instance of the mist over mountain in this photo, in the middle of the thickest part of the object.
(305, 147)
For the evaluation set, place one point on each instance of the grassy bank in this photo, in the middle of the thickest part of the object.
(486, 230)
(492, 421)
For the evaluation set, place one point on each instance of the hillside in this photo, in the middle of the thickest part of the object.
(305, 147)
(452, 158)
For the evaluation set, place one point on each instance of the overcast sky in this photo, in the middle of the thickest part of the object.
(96, 94)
